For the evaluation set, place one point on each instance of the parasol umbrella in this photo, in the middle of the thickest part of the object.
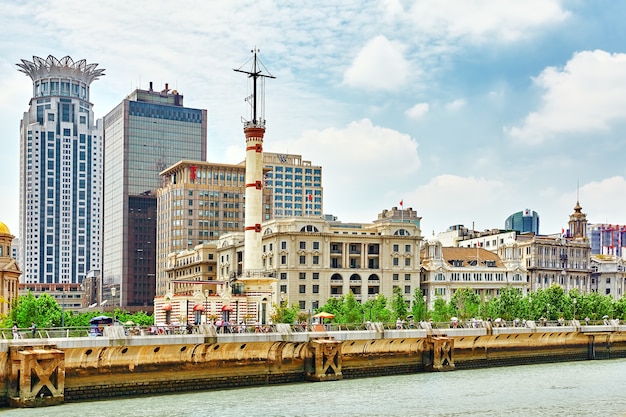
(605, 317)
(454, 319)
(129, 323)
(324, 315)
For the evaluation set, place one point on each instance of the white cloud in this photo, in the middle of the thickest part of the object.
(363, 166)
(604, 201)
(478, 21)
(417, 111)
(380, 65)
(451, 199)
(588, 94)
(456, 104)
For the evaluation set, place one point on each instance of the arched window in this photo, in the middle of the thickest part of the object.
(309, 228)
(336, 277)
(402, 232)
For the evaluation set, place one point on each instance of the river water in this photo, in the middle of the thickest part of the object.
(591, 388)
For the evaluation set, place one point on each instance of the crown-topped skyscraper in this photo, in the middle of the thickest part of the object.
(60, 173)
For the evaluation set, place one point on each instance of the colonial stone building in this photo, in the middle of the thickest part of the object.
(559, 259)
(9, 271)
(446, 269)
(314, 259)
(608, 275)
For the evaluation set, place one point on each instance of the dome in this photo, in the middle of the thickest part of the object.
(4, 229)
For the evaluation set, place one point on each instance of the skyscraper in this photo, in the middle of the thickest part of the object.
(147, 132)
(60, 173)
(526, 221)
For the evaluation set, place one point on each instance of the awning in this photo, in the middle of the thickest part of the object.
(227, 308)
(198, 307)
(167, 307)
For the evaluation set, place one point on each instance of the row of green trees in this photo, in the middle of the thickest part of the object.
(45, 312)
(550, 303)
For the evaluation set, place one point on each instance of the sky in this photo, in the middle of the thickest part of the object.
(465, 110)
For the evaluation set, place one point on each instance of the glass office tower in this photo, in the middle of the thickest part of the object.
(60, 173)
(147, 132)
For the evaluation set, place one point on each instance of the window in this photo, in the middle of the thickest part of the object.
(316, 260)
(316, 275)
(283, 259)
(396, 248)
(302, 245)
(283, 289)
(395, 261)
(316, 289)
(407, 289)
(407, 261)
(302, 305)
(283, 275)
(396, 277)
(302, 289)
(316, 245)
(407, 277)
(407, 248)
(302, 259)
(302, 275)
(283, 245)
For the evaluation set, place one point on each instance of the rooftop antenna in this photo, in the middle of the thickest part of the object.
(256, 100)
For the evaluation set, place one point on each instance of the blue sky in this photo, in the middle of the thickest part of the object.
(467, 110)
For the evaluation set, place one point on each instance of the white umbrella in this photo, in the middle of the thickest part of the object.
(454, 319)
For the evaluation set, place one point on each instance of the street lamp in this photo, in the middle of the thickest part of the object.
(574, 301)
(206, 306)
(113, 301)
(62, 306)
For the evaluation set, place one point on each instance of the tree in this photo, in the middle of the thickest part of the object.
(398, 304)
(465, 303)
(511, 303)
(419, 307)
(352, 311)
(285, 314)
(441, 310)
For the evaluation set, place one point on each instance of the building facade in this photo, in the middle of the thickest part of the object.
(314, 259)
(147, 132)
(197, 203)
(608, 275)
(9, 271)
(526, 221)
(61, 160)
(562, 259)
(295, 184)
(607, 239)
(445, 270)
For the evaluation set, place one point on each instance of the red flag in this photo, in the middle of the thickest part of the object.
(401, 202)
(310, 197)
(562, 231)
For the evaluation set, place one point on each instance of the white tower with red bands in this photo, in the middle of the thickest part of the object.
(258, 283)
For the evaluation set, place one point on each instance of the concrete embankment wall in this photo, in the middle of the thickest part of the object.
(106, 367)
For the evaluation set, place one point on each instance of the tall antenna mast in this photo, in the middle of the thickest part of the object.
(257, 99)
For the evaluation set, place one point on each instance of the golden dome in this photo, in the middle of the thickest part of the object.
(4, 229)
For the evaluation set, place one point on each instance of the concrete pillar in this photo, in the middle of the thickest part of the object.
(324, 362)
(439, 354)
(37, 376)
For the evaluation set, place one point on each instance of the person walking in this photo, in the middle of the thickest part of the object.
(33, 328)
(16, 333)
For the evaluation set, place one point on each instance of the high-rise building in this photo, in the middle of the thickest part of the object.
(60, 173)
(147, 132)
(607, 239)
(197, 203)
(296, 185)
(526, 221)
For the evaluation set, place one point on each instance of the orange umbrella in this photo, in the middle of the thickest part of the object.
(324, 315)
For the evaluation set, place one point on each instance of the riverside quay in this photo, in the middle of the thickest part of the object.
(48, 370)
